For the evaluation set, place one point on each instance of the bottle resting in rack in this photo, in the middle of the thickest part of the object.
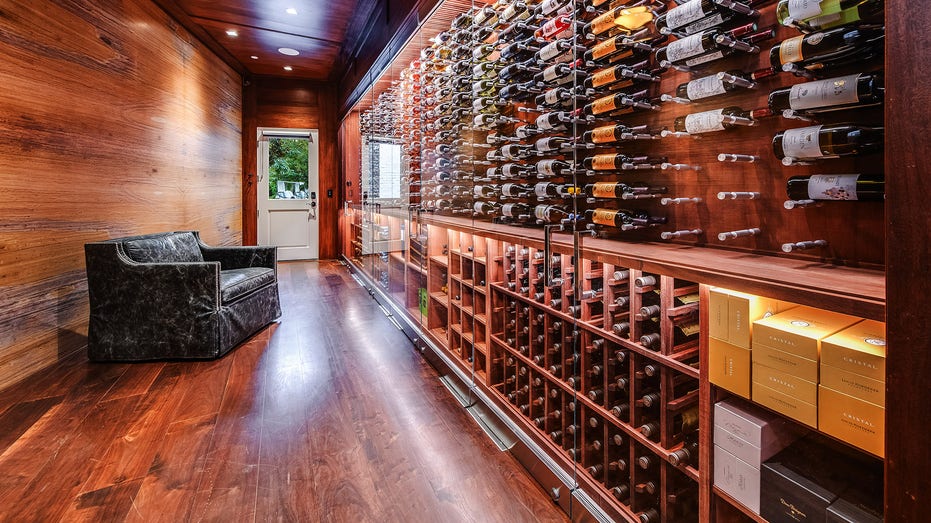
(836, 187)
(827, 141)
(833, 94)
(827, 50)
(808, 15)
(717, 120)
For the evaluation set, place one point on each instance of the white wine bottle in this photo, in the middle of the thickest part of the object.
(834, 94)
(827, 141)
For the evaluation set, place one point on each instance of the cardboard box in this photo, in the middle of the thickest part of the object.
(858, 504)
(861, 387)
(736, 477)
(783, 361)
(860, 349)
(729, 367)
(792, 407)
(853, 420)
(750, 432)
(717, 313)
(786, 383)
(743, 310)
(799, 331)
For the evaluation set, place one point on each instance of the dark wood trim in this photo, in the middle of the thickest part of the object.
(180, 15)
(249, 163)
(908, 185)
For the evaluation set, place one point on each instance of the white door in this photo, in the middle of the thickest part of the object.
(288, 192)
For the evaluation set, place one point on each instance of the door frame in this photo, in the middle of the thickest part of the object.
(313, 183)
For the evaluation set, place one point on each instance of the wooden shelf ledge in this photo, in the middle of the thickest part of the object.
(850, 290)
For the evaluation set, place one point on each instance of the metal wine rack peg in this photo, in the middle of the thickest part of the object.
(799, 204)
(679, 201)
(738, 195)
(733, 235)
(804, 245)
(792, 114)
(679, 167)
(679, 234)
(676, 99)
(731, 157)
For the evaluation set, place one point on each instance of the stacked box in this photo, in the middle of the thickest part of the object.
(785, 356)
(852, 391)
(745, 436)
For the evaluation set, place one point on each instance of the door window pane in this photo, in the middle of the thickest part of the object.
(287, 168)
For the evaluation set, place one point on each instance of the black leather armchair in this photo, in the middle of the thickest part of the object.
(169, 296)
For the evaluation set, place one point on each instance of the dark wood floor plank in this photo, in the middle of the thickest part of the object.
(328, 415)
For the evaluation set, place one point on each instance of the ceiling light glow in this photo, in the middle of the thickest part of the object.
(288, 68)
(232, 32)
(254, 57)
(288, 51)
(291, 11)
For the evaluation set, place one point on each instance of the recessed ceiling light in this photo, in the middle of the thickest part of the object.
(288, 68)
(254, 57)
(232, 32)
(288, 51)
(291, 11)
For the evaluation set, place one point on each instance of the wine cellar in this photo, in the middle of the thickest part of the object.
(597, 202)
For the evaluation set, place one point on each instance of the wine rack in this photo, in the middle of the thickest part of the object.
(592, 341)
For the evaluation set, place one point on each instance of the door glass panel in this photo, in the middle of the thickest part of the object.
(288, 169)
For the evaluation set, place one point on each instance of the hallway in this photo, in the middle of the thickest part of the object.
(328, 415)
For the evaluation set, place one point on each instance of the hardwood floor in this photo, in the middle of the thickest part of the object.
(327, 416)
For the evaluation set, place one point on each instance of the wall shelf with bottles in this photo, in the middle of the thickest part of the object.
(685, 145)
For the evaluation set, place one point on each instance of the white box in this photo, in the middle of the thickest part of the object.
(751, 433)
(737, 478)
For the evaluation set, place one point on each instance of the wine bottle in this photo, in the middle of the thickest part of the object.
(703, 47)
(620, 103)
(617, 161)
(516, 190)
(486, 208)
(687, 455)
(717, 120)
(649, 516)
(621, 218)
(553, 167)
(834, 94)
(623, 18)
(836, 187)
(685, 422)
(693, 16)
(720, 83)
(550, 213)
(620, 76)
(826, 50)
(614, 133)
(622, 47)
(827, 141)
(620, 190)
(810, 16)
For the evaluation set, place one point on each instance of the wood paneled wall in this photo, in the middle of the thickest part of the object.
(114, 121)
(296, 104)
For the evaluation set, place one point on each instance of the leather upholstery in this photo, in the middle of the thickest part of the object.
(237, 282)
(152, 297)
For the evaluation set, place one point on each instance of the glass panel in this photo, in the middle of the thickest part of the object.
(287, 168)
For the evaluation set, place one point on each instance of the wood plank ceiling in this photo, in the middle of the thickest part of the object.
(253, 31)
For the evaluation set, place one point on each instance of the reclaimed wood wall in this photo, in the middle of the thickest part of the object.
(115, 121)
(292, 104)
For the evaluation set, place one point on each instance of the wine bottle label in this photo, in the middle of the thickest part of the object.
(824, 93)
(551, 72)
(550, 51)
(684, 14)
(508, 210)
(803, 142)
(689, 329)
(546, 168)
(603, 23)
(551, 97)
(790, 50)
(603, 190)
(689, 298)
(708, 57)
(478, 206)
(603, 162)
(603, 134)
(685, 48)
(605, 48)
(542, 212)
(604, 217)
(705, 122)
(604, 105)
(705, 23)
(705, 87)
(833, 187)
(603, 77)
(540, 189)
(804, 9)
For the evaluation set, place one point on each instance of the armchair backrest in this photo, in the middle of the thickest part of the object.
(170, 247)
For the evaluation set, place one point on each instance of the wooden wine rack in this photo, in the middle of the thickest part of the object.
(505, 328)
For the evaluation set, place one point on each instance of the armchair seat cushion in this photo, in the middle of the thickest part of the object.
(239, 282)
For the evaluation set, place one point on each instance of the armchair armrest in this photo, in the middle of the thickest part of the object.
(118, 285)
(241, 257)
